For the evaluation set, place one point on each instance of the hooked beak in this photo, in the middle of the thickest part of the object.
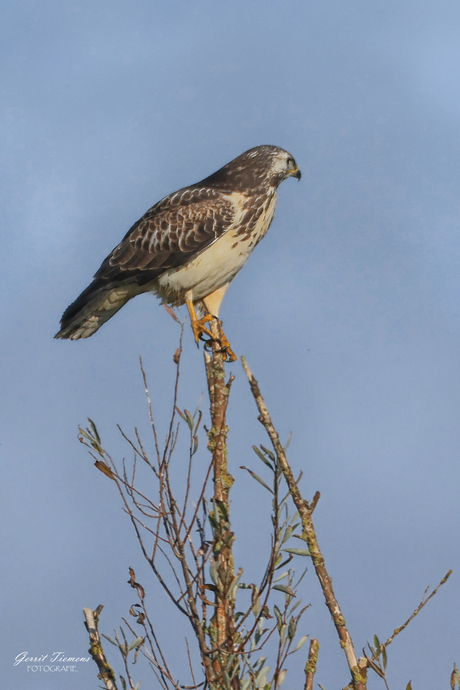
(296, 173)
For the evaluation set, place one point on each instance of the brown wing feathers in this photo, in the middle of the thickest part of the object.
(170, 234)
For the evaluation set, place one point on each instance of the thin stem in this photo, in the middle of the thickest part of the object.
(417, 610)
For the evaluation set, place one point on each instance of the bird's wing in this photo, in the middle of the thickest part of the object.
(170, 234)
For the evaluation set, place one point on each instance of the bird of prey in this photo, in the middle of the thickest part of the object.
(189, 246)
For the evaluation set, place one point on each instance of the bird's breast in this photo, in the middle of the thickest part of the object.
(219, 263)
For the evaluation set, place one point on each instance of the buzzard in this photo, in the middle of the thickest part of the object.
(189, 246)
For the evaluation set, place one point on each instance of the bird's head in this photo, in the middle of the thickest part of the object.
(259, 167)
(283, 166)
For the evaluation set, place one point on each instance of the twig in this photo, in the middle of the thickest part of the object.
(417, 610)
(310, 666)
(149, 402)
(190, 664)
(358, 671)
(106, 672)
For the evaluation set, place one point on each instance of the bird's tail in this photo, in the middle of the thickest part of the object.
(96, 305)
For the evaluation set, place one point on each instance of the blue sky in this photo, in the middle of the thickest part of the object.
(347, 312)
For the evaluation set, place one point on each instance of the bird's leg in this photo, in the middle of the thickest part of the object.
(198, 326)
(199, 329)
(212, 303)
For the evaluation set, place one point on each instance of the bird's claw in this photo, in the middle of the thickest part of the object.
(199, 328)
(224, 346)
(225, 349)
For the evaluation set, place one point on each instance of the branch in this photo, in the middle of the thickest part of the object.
(106, 672)
(358, 671)
(310, 666)
(222, 624)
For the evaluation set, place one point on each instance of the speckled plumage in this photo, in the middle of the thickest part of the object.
(190, 245)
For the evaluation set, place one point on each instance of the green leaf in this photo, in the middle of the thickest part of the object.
(292, 628)
(296, 605)
(268, 452)
(261, 678)
(262, 457)
(283, 631)
(282, 676)
(384, 656)
(94, 430)
(277, 612)
(181, 414)
(373, 651)
(189, 419)
(195, 445)
(287, 534)
(258, 634)
(135, 644)
(409, 686)
(109, 639)
(258, 479)
(280, 577)
(285, 562)
(300, 643)
(297, 552)
(285, 589)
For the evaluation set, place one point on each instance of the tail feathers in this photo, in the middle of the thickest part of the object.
(96, 305)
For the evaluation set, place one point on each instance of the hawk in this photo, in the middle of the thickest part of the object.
(189, 246)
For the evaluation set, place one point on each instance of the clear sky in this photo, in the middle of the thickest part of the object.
(347, 312)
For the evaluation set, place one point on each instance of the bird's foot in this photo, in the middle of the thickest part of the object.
(199, 328)
(225, 345)
(214, 332)
(221, 339)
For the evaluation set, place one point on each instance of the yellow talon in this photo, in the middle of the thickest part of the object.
(199, 329)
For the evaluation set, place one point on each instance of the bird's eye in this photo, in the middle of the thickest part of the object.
(290, 162)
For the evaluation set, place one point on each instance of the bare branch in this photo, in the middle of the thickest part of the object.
(309, 535)
(106, 672)
(423, 602)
